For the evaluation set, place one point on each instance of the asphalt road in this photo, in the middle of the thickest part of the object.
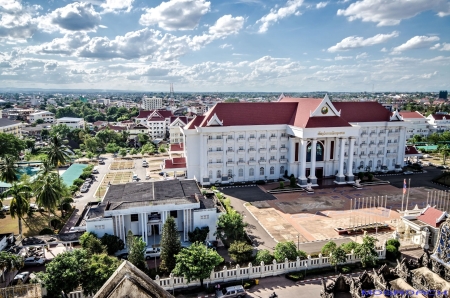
(417, 180)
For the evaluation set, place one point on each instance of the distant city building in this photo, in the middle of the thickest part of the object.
(46, 116)
(443, 94)
(11, 127)
(439, 122)
(105, 101)
(151, 103)
(71, 122)
(418, 124)
(157, 121)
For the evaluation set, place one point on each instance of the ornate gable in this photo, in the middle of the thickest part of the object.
(214, 121)
(325, 108)
(177, 122)
(396, 116)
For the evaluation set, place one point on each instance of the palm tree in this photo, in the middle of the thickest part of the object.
(57, 152)
(46, 168)
(48, 192)
(9, 262)
(444, 151)
(20, 203)
(8, 169)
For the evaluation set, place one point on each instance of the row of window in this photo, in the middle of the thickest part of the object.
(251, 172)
(251, 148)
(250, 159)
(241, 136)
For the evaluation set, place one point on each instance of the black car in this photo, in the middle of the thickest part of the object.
(161, 174)
(123, 256)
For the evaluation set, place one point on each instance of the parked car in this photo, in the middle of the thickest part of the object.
(5, 209)
(94, 171)
(89, 180)
(408, 172)
(35, 207)
(236, 291)
(161, 173)
(123, 256)
(84, 189)
(211, 244)
(34, 261)
(20, 278)
(101, 162)
(145, 164)
(152, 252)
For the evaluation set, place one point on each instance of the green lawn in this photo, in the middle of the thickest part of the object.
(31, 226)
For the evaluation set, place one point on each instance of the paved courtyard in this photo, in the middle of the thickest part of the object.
(302, 217)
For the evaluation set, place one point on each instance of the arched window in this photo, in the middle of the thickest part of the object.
(230, 173)
(345, 166)
(251, 172)
(219, 174)
(272, 170)
(210, 174)
(241, 172)
(361, 164)
(370, 163)
(379, 163)
(319, 152)
(261, 171)
(282, 170)
(387, 162)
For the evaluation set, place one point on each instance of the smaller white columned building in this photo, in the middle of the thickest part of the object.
(144, 207)
(71, 122)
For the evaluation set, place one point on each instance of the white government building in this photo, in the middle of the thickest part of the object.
(308, 137)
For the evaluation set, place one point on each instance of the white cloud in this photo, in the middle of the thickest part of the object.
(102, 26)
(225, 45)
(353, 42)
(340, 58)
(428, 75)
(441, 47)
(275, 14)
(388, 13)
(176, 14)
(66, 45)
(321, 5)
(17, 21)
(384, 50)
(72, 17)
(436, 46)
(50, 66)
(115, 6)
(362, 56)
(226, 25)
(417, 42)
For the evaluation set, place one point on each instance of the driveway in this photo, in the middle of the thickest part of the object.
(417, 180)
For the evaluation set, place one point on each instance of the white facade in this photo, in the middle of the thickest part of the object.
(216, 153)
(48, 117)
(157, 121)
(72, 123)
(175, 130)
(151, 103)
(439, 122)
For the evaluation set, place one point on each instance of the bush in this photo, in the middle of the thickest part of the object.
(392, 252)
(295, 276)
(360, 175)
(281, 185)
(302, 254)
(263, 256)
(393, 242)
(78, 182)
(198, 235)
(293, 182)
(73, 189)
(85, 175)
(241, 251)
(56, 224)
(370, 177)
(112, 243)
(346, 269)
(46, 231)
(285, 250)
(349, 246)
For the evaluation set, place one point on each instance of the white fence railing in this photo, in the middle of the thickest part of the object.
(263, 270)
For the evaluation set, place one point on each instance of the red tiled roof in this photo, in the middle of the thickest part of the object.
(195, 122)
(113, 127)
(440, 116)
(430, 216)
(411, 115)
(175, 163)
(145, 114)
(182, 118)
(330, 121)
(362, 111)
(176, 147)
(98, 123)
(411, 150)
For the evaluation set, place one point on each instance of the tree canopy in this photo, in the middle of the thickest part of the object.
(366, 251)
(170, 245)
(11, 145)
(231, 227)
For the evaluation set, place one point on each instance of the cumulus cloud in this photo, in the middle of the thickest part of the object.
(226, 25)
(340, 58)
(389, 13)
(176, 14)
(225, 45)
(49, 66)
(362, 56)
(353, 42)
(66, 45)
(417, 42)
(321, 5)
(291, 7)
(441, 47)
(17, 21)
(72, 17)
(116, 6)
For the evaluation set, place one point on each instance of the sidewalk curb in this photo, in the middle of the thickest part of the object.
(260, 223)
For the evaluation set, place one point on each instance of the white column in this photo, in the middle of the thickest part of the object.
(142, 227)
(302, 178)
(340, 178)
(401, 147)
(184, 224)
(291, 155)
(350, 159)
(312, 175)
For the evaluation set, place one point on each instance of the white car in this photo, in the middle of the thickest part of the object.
(34, 261)
(152, 252)
(5, 208)
(144, 164)
(35, 207)
(84, 189)
(21, 278)
(408, 172)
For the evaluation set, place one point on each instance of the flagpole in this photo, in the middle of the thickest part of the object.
(407, 196)
(403, 191)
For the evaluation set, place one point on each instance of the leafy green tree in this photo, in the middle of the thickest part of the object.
(48, 192)
(91, 144)
(136, 250)
(198, 235)
(241, 251)
(263, 255)
(91, 243)
(337, 256)
(9, 262)
(366, 251)
(148, 148)
(328, 248)
(60, 130)
(285, 250)
(57, 153)
(393, 242)
(349, 246)
(196, 262)
(30, 143)
(10, 145)
(170, 245)
(143, 138)
(113, 243)
(123, 152)
(96, 272)
(444, 151)
(231, 227)
(8, 169)
(107, 136)
(162, 149)
(133, 151)
(112, 148)
(20, 203)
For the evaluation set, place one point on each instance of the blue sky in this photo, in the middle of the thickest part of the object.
(236, 45)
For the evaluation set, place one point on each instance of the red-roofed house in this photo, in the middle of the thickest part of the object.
(157, 121)
(311, 138)
(439, 122)
(422, 225)
(418, 124)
